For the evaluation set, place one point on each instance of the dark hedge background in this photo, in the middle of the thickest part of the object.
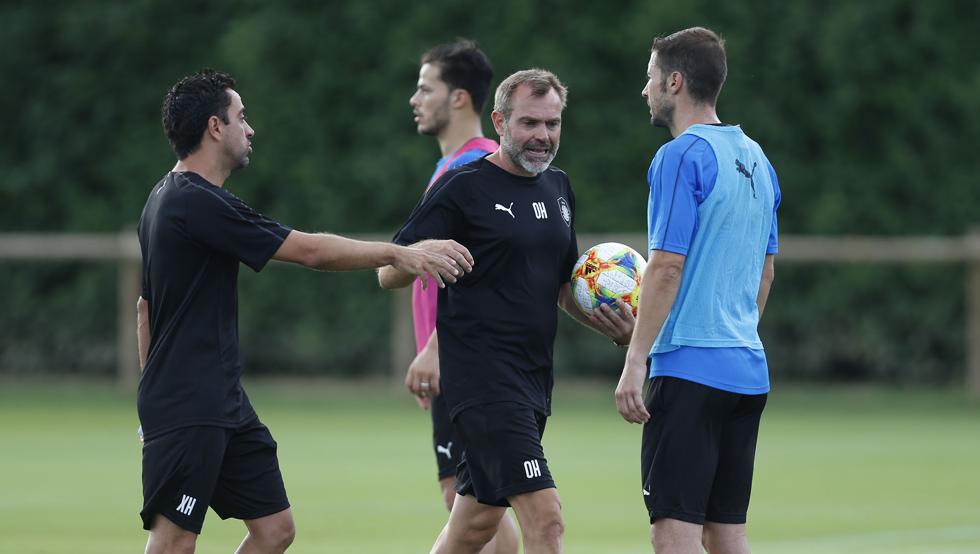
(868, 111)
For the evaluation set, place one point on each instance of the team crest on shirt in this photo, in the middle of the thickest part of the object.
(565, 211)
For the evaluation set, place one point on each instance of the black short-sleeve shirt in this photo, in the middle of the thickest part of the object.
(497, 324)
(192, 236)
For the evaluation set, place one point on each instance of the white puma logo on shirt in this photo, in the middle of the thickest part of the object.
(440, 449)
(503, 209)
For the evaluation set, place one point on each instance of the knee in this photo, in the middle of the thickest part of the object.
(481, 530)
(548, 527)
(285, 534)
(184, 544)
(278, 537)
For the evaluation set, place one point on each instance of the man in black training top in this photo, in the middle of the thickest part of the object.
(204, 444)
(497, 326)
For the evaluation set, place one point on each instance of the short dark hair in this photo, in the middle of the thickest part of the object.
(464, 66)
(699, 55)
(190, 103)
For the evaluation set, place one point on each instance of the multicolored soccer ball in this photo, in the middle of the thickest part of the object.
(606, 272)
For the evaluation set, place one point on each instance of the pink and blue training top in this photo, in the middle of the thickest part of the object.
(424, 301)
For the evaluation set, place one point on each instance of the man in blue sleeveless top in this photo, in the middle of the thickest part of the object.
(712, 240)
(453, 88)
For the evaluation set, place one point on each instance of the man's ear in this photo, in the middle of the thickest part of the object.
(675, 82)
(498, 122)
(214, 127)
(459, 99)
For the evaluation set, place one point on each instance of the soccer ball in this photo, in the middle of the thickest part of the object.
(606, 272)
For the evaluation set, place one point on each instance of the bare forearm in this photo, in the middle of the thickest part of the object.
(567, 303)
(658, 290)
(336, 253)
(433, 344)
(768, 276)
(333, 253)
(142, 330)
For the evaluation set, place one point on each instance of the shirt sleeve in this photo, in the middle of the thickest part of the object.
(773, 246)
(222, 222)
(680, 177)
(437, 215)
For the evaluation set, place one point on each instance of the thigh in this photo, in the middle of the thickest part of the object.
(250, 485)
(469, 513)
(680, 447)
(503, 455)
(180, 473)
(732, 486)
(448, 447)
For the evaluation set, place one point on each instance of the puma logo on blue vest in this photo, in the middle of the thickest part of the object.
(741, 169)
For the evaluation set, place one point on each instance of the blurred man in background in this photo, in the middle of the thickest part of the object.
(204, 444)
(712, 238)
(497, 327)
(453, 87)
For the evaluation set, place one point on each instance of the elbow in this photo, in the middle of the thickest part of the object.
(668, 273)
(388, 278)
(312, 257)
(383, 280)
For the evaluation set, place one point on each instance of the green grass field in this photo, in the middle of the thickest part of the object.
(838, 470)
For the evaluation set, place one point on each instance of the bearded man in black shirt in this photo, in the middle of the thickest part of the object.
(203, 442)
(515, 213)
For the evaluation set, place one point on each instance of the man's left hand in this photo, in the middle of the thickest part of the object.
(616, 323)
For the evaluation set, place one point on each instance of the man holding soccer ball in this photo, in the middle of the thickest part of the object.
(452, 90)
(712, 237)
(496, 327)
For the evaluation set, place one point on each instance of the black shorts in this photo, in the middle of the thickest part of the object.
(503, 455)
(447, 446)
(698, 451)
(234, 471)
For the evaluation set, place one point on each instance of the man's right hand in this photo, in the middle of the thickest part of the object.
(444, 260)
(422, 379)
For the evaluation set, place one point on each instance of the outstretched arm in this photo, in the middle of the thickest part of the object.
(394, 277)
(336, 253)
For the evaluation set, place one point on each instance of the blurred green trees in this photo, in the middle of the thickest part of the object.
(867, 110)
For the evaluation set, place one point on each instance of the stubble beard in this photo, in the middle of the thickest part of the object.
(439, 122)
(518, 158)
(662, 115)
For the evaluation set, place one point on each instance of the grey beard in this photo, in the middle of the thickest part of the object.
(516, 156)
